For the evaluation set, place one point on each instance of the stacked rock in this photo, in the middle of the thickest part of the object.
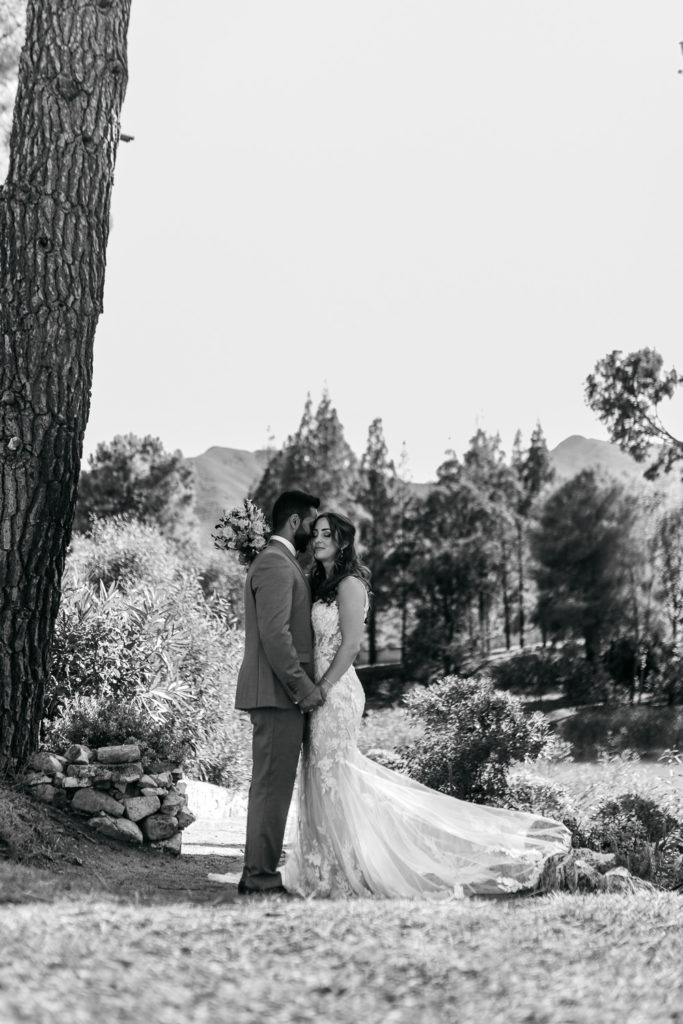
(122, 797)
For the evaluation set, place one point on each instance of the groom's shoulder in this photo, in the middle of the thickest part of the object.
(272, 556)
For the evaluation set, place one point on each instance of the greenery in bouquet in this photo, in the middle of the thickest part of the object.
(243, 529)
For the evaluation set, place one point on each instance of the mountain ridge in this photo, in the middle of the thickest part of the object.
(225, 476)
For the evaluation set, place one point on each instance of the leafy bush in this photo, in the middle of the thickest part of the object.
(388, 729)
(645, 838)
(152, 646)
(472, 734)
(527, 792)
(643, 729)
(528, 672)
(125, 552)
(102, 720)
(552, 668)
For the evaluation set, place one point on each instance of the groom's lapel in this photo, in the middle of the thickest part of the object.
(288, 554)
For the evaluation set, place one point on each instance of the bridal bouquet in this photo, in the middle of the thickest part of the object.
(243, 529)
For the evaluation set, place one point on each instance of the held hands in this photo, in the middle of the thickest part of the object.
(325, 686)
(312, 700)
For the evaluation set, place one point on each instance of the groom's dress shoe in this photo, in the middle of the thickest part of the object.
(275, 890)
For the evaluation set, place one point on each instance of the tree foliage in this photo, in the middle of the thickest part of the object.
(669, 561)
(317, 458)
(136, 477)
(582, 547)
(380, 525)
(626, 392)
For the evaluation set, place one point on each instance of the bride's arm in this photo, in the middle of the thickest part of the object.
(351, 603)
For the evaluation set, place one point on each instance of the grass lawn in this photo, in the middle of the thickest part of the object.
(537, 960)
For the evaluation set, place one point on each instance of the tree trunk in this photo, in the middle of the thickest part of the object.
(506, 597)
(520, 573)
(372, 634)
(54, 224)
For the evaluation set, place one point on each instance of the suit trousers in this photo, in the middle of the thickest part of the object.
(276, 746)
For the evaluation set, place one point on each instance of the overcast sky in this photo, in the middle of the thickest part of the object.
(444, 210)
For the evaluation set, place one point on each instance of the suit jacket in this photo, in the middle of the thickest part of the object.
(278, 650)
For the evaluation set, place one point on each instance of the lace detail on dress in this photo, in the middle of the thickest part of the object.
(366, 831)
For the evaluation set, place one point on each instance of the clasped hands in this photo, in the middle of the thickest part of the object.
(316, 697)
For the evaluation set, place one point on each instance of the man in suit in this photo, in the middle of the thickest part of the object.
(275, 684)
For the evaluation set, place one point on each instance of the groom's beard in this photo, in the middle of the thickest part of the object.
(301, 541)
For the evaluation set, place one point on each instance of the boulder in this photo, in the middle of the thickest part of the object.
(185, 818)
(89, 771)
(172, 803)
(159, 826)
(126, 772)
(44, 791)
(138, 807)
(117, 828)
(91, 801)
(79, 754)
(172, 845)
(157, 767)
(36, 778)
(127, 753)
(588, 878)
(602, 862)
(152, 791)
(43, 761)
(70, 783)
(621, 880)
(164, 779)
(146, 780)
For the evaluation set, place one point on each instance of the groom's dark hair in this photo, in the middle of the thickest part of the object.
(292, 503)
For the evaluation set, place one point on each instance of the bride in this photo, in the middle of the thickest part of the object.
(362, 830)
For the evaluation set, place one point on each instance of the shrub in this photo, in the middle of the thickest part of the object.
(102, 720)
(643, 729)
(528, 792)
(645, 838)
(472, 734)
(153, 646)
(528, 672)
(125, 552)
(543, 671)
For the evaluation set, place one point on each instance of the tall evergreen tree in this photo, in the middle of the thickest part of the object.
(534, 472)
(583, 550)
(669, 563)
(499, 486)
(377, 496)
(317, 458)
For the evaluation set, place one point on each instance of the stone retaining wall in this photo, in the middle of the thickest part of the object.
(120, 795)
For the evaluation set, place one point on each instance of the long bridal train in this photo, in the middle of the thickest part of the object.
(363, 830)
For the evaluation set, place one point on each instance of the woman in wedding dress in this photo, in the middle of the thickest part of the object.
(363, 830)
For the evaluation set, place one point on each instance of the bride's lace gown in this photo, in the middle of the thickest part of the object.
(362, 830)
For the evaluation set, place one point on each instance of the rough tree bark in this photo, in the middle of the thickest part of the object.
(54, 223)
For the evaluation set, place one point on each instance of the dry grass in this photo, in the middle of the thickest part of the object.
(553, 960)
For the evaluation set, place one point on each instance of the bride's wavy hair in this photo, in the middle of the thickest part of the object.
(346, 561)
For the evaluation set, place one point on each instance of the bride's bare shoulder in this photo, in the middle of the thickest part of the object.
(351, 589)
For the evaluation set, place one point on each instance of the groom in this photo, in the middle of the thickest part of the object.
(275, 684)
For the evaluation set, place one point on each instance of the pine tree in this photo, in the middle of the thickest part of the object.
(583, 551)
(534, 472)
(54, 224)
(376, 494)
(317, 459)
